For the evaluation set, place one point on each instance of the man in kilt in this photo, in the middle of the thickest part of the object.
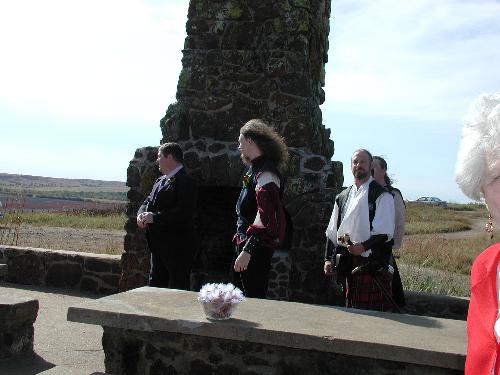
(359, 239)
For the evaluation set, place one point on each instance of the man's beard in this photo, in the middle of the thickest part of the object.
(361, 175)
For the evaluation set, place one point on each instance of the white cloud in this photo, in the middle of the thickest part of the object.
(421, 59)
(93, 60)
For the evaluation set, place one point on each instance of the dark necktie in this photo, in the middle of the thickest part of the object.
(161, 183)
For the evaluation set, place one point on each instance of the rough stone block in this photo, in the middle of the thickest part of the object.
(17, 316)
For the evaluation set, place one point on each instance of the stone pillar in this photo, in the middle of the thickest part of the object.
(245, 59)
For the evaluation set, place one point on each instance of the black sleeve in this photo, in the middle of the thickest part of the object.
(329, 250)
(374, 240)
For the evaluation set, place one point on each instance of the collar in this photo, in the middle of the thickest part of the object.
(172, 173)
(364, 186)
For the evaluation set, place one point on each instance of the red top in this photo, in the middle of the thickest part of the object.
(269, 207)
(482, 346)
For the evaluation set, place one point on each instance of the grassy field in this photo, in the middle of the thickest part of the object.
(423, 219)
(432, 258)
(78, 220)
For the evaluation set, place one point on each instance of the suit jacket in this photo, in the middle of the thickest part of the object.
(173, 202)
(482, 346)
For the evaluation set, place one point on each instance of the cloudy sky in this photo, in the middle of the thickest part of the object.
(85, 83)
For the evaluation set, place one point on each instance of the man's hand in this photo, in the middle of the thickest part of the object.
(144, 218)
(328, 268)
(356, 248)
(242, 261)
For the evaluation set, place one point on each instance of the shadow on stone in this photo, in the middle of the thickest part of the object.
(28, 364)
(411, 320)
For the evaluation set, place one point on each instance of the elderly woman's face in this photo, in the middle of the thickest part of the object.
(491, 190)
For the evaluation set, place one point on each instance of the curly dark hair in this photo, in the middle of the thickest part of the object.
(269, 142)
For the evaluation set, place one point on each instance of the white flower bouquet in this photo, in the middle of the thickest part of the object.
(220, 300)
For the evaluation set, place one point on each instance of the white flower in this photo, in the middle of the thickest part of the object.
(219, 294)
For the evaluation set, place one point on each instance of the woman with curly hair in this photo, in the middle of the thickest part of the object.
(478, 175)
(261, 220)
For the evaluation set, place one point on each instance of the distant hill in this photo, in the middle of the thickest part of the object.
(62, 188)
(27, 181)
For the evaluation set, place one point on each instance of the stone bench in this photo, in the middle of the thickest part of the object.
(17, 316)
(151, 330)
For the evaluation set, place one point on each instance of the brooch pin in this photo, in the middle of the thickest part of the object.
(246, 179)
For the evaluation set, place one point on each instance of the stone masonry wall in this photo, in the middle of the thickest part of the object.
(129, 351)
(245, 59)
(96, 273)
(311, 184)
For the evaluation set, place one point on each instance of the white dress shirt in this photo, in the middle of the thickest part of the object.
(399, 224)
(356, 220)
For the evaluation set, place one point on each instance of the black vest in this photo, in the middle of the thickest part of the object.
(374, 191)
(382, 251)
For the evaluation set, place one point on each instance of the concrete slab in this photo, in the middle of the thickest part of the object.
(57, 341)
(394, 337)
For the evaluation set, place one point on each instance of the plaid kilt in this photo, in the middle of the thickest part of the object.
(362, 292)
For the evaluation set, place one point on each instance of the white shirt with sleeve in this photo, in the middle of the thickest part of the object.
(400, 218)
(356, 220)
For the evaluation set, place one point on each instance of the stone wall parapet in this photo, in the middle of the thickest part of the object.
(96, 273)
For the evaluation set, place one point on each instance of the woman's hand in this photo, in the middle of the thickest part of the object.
(241, 263)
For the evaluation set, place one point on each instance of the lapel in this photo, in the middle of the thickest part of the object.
(170, 182)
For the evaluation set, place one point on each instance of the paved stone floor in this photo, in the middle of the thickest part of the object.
(74, 348)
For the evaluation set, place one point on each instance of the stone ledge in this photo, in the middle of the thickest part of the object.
(394, 337)
(97, 273)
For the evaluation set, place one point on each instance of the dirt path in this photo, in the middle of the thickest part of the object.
(85, 240)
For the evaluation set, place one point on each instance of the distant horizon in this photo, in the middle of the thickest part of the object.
(124, 182)
(60, 178)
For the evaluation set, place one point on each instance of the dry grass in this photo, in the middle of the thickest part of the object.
(78, 219)
(429, 280)
(452, 255)
(423, 219)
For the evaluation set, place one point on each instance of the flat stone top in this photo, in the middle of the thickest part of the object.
(395, 337)
(17, 310)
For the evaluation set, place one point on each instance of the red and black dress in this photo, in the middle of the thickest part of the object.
(260, 219)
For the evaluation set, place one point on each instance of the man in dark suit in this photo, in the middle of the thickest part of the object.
(168, 217)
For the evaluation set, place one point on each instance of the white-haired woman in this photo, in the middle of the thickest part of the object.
(478, 175)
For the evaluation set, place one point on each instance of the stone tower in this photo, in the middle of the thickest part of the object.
(245, 59)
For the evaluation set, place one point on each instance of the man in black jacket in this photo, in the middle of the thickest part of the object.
(168, 217)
